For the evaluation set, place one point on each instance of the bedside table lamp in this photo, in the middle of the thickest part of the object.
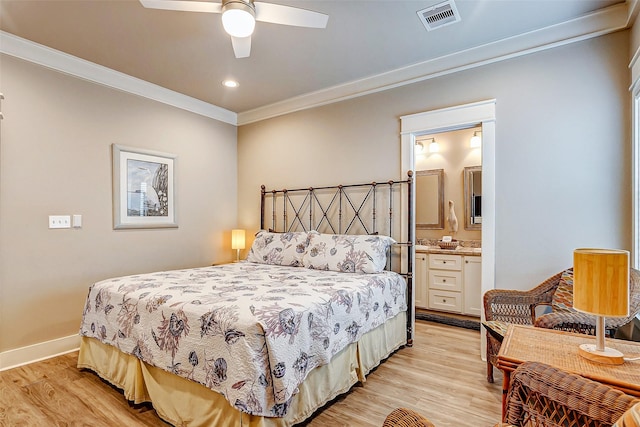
(601, 287)
(237, 242)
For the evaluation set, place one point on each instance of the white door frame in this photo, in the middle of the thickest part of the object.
(450, 119)
(635, 174)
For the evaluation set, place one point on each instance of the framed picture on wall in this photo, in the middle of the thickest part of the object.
(144, 190)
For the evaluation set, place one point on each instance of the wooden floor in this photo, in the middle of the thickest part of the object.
(441, 376)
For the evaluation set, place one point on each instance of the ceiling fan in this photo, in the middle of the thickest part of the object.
(239, 17)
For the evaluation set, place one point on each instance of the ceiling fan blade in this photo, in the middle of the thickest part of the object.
(287, 15)
(184, 6)
(241, 46)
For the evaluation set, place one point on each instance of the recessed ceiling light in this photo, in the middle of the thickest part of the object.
(230, 83)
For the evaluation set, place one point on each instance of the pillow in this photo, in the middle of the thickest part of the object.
(562, 299)
(631, 418)
(279, 248)
(496, 328)
(347, 253)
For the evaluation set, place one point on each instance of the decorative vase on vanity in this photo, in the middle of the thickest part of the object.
(452, 219)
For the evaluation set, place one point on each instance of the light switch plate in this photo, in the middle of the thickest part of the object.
(59, 221)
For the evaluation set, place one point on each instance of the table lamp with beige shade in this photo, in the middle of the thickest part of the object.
(237, 242)
(601, 287)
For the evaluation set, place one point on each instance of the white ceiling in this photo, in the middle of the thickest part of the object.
(367, 44)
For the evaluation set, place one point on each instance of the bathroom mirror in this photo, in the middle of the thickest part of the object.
(473, 198)
(430, 199)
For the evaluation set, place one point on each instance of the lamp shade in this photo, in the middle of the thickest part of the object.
(601, 281)
(237, 239)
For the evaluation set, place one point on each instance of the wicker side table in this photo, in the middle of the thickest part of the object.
(560, 349)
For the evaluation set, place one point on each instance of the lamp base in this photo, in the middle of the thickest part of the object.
(608, 356)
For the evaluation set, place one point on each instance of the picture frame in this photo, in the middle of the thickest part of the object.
(144, 188)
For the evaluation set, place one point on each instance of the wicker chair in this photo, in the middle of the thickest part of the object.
(519, 307)
(403, 417)
(543, 396)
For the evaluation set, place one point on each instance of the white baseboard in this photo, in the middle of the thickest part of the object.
(36, 352)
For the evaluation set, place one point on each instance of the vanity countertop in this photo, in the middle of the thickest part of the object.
(460, 250)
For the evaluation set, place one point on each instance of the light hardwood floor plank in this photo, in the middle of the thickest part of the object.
(441, 376)
(57, 402)
(114, 407)
(15, 409)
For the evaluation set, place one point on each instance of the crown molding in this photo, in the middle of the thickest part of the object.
(599, 23)
(45, 56)
(602, 22)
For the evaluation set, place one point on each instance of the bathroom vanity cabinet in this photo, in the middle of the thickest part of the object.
(448, 282)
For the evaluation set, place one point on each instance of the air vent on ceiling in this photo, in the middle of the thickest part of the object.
(439, 15)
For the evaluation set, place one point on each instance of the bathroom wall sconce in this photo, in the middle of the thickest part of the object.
(476, 140)
(433, 146)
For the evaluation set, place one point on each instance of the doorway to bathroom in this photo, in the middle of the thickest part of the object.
(479, 114)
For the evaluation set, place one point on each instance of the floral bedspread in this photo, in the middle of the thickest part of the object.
(251, 332)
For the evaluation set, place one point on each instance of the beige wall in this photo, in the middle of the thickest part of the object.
(562, 172)
(454, 155)
(56, 141)
(562, 150)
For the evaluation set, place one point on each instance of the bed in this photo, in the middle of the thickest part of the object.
(268, 340)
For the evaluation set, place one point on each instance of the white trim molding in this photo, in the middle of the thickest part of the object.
(634, 66)
(635, 172)
(37, 352)
(450, 119)
(592, 25)
(45, 56)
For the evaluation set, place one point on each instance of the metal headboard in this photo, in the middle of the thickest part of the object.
(368, 208)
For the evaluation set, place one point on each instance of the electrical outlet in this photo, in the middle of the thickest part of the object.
(59, 221)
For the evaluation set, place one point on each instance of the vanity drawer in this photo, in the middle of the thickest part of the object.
(445, 300)
(445, 262)
(445, 280)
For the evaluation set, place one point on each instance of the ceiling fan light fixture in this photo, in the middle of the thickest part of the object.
(238, 18)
